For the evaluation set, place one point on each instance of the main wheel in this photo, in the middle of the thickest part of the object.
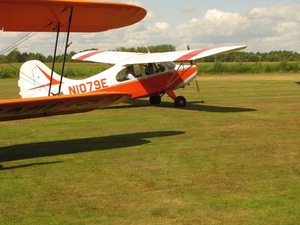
(155, 99)
(180, 101)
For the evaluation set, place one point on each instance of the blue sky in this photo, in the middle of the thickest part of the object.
(263, 25)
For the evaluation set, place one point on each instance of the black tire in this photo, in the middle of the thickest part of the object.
(180, 101)
(155, 99)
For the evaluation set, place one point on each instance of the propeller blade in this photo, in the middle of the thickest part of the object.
(197, 84)
(191, 61)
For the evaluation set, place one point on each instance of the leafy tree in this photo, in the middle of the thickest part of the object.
(14, 56)
(272, 56)
(157, 48)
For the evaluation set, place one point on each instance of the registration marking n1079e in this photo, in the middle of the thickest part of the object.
(88, 86)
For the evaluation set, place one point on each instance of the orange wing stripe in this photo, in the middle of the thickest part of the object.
(192, 54)
(83, 57)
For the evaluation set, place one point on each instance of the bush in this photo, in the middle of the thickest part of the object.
(8, 72)
(81, 70)
(219, 67)
(295, 67)
(242, 68)
(286, 66)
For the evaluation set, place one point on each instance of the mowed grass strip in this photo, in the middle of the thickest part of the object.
(230, 157)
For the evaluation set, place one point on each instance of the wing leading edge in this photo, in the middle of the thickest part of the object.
(14, 109)
(140, 58)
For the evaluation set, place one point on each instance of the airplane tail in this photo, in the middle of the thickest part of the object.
(34, 80)
(297, 82)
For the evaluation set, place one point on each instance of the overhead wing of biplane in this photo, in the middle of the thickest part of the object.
(114, 57)
(63, 16)
(14, 109)
(87, 16)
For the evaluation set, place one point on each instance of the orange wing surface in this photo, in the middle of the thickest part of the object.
(14, 109)
(87, 15)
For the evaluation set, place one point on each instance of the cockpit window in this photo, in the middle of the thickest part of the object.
(153, 68)
(139, 70)
(149, 68)
(129, 72)
(171, 65)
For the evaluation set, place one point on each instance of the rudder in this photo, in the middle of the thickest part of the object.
(34, 80)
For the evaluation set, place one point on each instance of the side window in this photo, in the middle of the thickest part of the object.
(129, 72)
(121, 76)
(160, 68)
(149, 68)
(153, 68)
(137, 71)
(171, 65)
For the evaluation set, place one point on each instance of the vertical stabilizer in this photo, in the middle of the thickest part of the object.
(34, 80)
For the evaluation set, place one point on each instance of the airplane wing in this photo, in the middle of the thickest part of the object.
(14, 109)
(110, 57)
(87, 16)
(139, 58)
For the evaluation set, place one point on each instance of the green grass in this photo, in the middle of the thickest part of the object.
(233, 159)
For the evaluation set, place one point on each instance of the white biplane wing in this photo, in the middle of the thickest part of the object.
(110, 57)
(127, 58)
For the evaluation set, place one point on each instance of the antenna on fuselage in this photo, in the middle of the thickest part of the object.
(145, 46)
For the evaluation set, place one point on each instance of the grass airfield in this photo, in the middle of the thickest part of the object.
(231, 156)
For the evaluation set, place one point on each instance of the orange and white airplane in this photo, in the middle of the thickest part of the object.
(151, 74)
(63, 16)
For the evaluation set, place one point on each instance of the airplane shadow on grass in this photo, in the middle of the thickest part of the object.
(54, 148)
(197, 106)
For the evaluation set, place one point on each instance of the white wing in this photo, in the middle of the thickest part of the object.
(111, 57)
(127, 58)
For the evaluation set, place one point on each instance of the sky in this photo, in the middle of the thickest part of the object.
(262, 25)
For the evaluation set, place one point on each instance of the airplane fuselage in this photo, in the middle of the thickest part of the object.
(147, 80)
(142, 86)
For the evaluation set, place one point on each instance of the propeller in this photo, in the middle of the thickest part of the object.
(192, 63)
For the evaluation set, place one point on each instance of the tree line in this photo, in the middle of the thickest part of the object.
(15, 56)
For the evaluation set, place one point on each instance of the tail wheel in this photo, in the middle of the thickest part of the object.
(155, 99)
(180, 101)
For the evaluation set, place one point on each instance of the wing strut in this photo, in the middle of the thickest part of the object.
(66, 47)
(54, 56)
(171, 81)
(65, 53)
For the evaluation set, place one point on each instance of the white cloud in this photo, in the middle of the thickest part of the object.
(162, 25)
(153, 15)
(189, 8)
(276, 12)
(262, 29)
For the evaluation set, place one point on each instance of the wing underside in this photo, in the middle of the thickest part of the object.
(15, 109)
(87, 16)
